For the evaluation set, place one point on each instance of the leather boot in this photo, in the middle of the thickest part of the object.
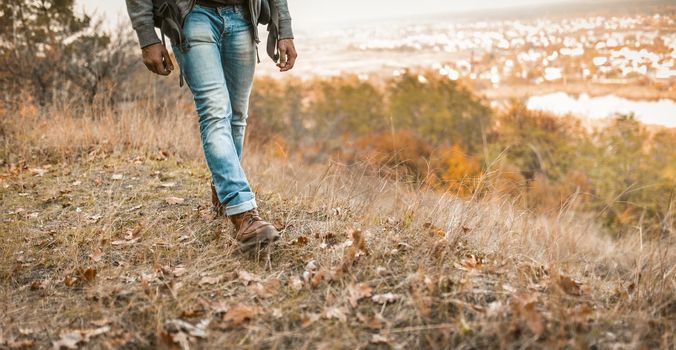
(251, 231)
(217, 207)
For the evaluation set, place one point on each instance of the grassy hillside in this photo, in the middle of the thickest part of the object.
(108, 241)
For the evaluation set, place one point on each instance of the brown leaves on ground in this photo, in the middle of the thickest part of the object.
(358, 292)
(181, 332)
(433, 230)
(569, 285)
(524, 308)
(240, 314)
(79, 276)
(75, 339)
(387, 298)
(131, 236)
(266, 289)
(357, 247)
(208, 280)
(174, 200)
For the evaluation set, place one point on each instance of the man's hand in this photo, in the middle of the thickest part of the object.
(287, 55)
(157, 60)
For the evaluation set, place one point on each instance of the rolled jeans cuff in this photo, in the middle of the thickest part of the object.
(241, 207)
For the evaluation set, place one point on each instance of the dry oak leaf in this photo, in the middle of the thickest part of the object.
(268, 289)
(434, 230)
(72, 340)
(335, 312)
(198, 331)
(525, 309)
(126, 242)
(179, 271)
(379, 339)
(174, 200)
(19, 344)
(296, 283)
(358, 292)
(300, 241)
(247, 277)
(206, 280)
(375, 322)
(88, 275)
(386, 298)
(570, 286)
(240, 314)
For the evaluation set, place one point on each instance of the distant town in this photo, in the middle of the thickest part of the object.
(637, 49)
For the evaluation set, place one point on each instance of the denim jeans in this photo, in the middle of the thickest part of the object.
(218, 64)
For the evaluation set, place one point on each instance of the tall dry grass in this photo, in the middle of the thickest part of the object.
(412, 233)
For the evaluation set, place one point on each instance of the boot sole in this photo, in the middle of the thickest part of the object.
(259, 242)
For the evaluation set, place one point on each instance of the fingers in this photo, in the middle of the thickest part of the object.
(156, 58)
(282, 57)
(291, 59)
(168, 65)
(288, 55)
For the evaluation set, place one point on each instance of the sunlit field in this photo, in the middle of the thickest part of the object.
(418, 210)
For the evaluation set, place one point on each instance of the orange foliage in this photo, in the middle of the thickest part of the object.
(455, 170)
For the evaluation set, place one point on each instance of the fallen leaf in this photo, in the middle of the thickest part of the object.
(38, 171)
(379, 339)
(277, 313)
(570, 286)
(181, 339)
(174, 200)
(198, 331)
(300, 241)
(524, 308)
(309, 318)
(126, 242)
(134, 232)
(97, 255)
(68, 281)
(19, 344)
(317, 278)
(375, 322)
(267, 289)
(358, 292)
(240, 314)
(386, 298)
(209, 280)
(247, 277)
(40, 284)
(179, 271)
(434, 230)
(101, 322)
(335, 313)
(71, 340)
(296, 283)
(359, 242)
(89, 274)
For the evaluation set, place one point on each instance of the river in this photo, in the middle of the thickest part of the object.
(659, 112)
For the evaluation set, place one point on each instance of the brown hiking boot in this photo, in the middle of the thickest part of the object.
(217, 207)
(251, 231)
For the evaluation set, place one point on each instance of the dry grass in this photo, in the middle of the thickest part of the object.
(90, 242)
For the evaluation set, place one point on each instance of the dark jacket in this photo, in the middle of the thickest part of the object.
(141, 14)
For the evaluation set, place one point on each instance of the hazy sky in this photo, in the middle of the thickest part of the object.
(307, 12)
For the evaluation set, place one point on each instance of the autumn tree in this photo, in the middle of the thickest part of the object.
(439, 109)
(45, 47)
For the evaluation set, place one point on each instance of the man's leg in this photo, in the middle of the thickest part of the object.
(202, 66)
(238, 52)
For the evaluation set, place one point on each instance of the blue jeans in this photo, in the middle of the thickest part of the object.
(218, 63)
